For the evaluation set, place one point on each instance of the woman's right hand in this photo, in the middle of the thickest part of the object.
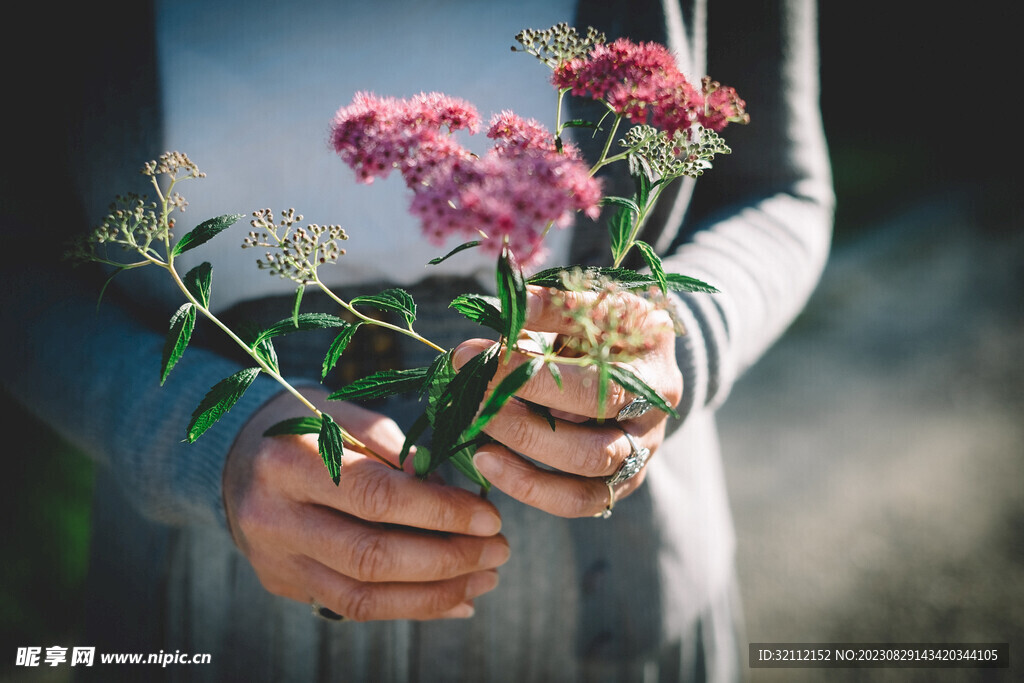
(381, 545)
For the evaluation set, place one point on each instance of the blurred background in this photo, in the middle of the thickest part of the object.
(875, 455)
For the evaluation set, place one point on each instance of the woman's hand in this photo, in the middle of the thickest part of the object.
(380, 545)
(581, 452)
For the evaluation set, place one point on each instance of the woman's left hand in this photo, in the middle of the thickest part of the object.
(582, 452)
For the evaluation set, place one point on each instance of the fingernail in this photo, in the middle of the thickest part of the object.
(465, 353)
(463, 611)
(494, 555)
(488, 464)
(484, 524)
(480, 583)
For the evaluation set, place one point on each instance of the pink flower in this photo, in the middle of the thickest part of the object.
(722, 106)
(523, 184)
(375, 135)
(642, 83)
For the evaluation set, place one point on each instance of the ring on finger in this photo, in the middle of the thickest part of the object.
(322, 612)
(607, 512)
(634, 409)
(633, 463)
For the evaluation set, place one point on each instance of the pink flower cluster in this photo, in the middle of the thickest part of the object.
(642, 82)
(523, 184)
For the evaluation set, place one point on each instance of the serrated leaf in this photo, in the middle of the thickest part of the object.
(682, 283)
(412, 435)
(485, 310)
(391, 301)
(338, 346)
(630, 381)
(298, 303)
(304, 321)
(440, 372)
(653, 262)
(620, 227)
(178, 336)
(381, 384)
(458, 403)
(512, 295)
(627, 278)
(505, 390)
(294, 426)
(198, 282)
(330, 444)
(453, 252)
(219, 400)
(204, 232)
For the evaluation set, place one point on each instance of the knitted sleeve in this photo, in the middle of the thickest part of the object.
(759, 225)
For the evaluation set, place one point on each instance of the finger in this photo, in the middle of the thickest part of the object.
(379, 553)
(362, 601)
(556, 493)
(369, 490)
(583, 449)
(577, 393)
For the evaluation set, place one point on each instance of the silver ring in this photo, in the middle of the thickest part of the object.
(607, 512)
(633, 463)
(324, 613)
(634, 409)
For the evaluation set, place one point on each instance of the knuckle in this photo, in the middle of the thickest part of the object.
(591, 459)
(359, 603)
(373, 495)
(521, 436)
(369, 557)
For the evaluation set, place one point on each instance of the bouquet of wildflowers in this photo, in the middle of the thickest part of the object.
(532, 180)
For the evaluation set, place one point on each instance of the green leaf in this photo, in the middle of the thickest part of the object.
(620, 226)
(621, 202)
(298, 302)
(219, 400)
(391, 301)
(381, 384)
(304, 321)
(512, 294)
(295, 425)
(580, 123)
(412, 435)
(643, 189)
(485, 310)
(463, 462)
(338, 346)
(458, 403)
(182, 323)
(653, 262)
(198, 282)
(264, 348)
(204, 232)
(441, 372)
(629, 279)
(505, 390)
(456, 250)
(630, 381)
(331, 447)
(682, 283)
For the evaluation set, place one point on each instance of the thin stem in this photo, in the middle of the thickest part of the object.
(409, 332)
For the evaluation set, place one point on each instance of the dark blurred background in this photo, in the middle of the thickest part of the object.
(875, 456)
